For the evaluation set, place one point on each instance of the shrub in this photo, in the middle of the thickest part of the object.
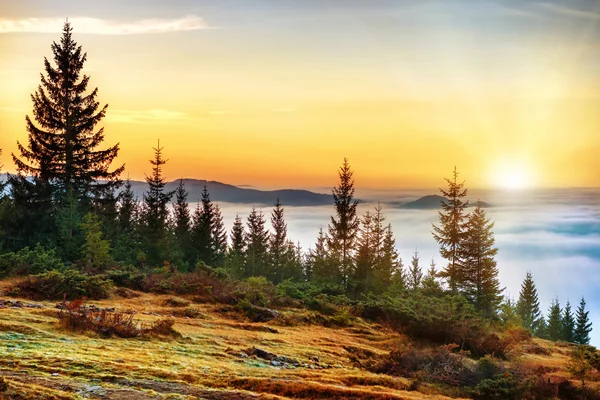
(197, 283)
(128, 277)
(255, 290)
(29, 261)
(176, 302)
(70, 284)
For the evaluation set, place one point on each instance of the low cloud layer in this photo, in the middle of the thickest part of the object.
(99, 26)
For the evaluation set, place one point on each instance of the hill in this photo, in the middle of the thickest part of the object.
(433, 202)
(219, 354)
(222, 192)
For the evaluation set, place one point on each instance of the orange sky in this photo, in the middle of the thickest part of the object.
(277, 96)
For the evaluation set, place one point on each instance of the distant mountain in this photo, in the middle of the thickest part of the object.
(433, 202)
(222, 192)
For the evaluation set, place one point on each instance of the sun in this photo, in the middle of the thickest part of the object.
(513, 176)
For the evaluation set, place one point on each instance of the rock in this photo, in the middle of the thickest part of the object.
(275, 363)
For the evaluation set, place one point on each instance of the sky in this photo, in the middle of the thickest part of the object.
(275, 93)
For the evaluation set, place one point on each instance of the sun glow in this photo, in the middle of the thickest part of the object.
(513, 176)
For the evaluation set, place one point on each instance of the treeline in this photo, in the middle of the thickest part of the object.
(67, 208)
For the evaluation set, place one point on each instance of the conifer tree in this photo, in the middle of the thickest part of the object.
(480, 273)
(344, 225)
(257, 241)
(415, 272)
(237, 250)
(568, 324)
(155, 213)
(182, 224)
(391, 270)
(583, 326)
(127, 242)
(278, 246)
(96, 249)
(202, 229)
(365, 255)
(451, 231)
(318, 260)
(382, 270)
(430, 285)
(69, 234)
(555, 321)
(528, 306)
(63, 147)
(218, 238)
(128, 208)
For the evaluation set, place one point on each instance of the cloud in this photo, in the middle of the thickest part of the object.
(558, 9)
(99, 26)
(145, 116)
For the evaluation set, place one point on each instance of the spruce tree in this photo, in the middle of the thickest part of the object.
(155, 213)
(63, 147)
(344, 225)
(126, 244)
(278, 246)
(528, 306)
(320, 267)
(430, 285)
(391, 270)
(182, 221)
(415, 272)
(451, 231)
(237, 249)
(568, 324)
(257, 241)
(583, 326)
(382, 271)
(202, 229)
(365, 255)
(128, 208)
(480, 273)
(555, 321)
(96, 249)
(218, 238)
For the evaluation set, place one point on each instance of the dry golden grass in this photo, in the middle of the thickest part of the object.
(40, 360)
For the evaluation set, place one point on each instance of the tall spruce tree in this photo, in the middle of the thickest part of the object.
(202, 229)
(278, 246)
(344, 225)
(528, 306)
(155, 214)
(382, 272)
(63, 147)
(554, 321)
(415, 272)
(451, 231)
(218, 238)
(568, 324)
(480, 273)
(182, 224)
(236, 252)
(257, 242)
(583, 326)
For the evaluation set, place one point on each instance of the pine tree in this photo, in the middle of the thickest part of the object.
(126, 244)
(257, 240)
(480, 273)
(218, 238)
(554, 320)
(155, 213)
(96, 249)
(528, 306)
(202, 229)
(344, 226)
(415, 272)
(568, 324)
(63, 147)
(278, 245)
(451, 231)
(182, 221)
(236, 253)
(583, 326)
(128, 208)
(382, 270)
(365, 255)
(318, 260)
